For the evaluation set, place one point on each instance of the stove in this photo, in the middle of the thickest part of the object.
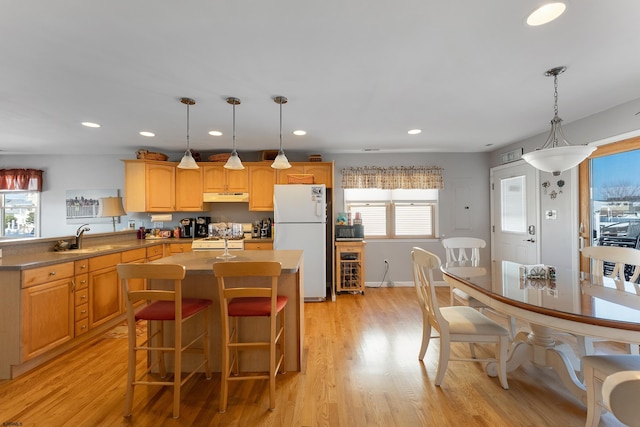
(214, 243)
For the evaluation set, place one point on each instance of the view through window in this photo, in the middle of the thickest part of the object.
(20, 214)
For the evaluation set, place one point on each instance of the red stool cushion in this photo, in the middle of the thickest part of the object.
(254, 306)
(165, 310)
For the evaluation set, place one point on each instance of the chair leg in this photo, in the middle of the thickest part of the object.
(445, 350)
(501, 356)
(160, 354)
(272, 368)
(131, 369)
(594, 394)
(282, 342)
(224, 369)
(205, 343)
(426, 336)
(177, 368)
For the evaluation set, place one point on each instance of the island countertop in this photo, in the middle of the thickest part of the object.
(201, 262)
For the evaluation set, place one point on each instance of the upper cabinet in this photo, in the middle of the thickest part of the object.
(189, 190)
(150, 186)
(217, 179)
(262, 178)
(322, 172)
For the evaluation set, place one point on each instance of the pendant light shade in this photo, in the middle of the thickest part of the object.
(281, 161)
(188, 162)
(234, 161)
(552, 157)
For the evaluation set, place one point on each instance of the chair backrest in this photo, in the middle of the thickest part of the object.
(463, 249)
(424, 263)
(616, 258)
(619, 393)
(137, 271)
(270, 269)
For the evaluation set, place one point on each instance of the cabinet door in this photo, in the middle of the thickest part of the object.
(104, 296)
(213, 178)
(47, 317)
(262, 178)
(293, 170)
(189, 190)
(322, 173)
(237, 180)
(160, 187)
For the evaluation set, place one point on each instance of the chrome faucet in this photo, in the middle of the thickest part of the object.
(79, 232)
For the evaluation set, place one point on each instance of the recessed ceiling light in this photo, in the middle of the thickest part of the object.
(546, 13)
(215, 133)
(90, 124)
(299, 132)
(414, 131)
(148, 134)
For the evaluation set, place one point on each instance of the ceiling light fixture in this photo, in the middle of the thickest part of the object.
(299, 132)
(551, 157)
(280, 161)
(414, 131)
(90, 124)
(234, 161)
(147, 134)
(188, 162)
(546, 13)
(215, 133)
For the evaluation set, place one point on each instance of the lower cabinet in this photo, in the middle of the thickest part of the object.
(104, 289)
(47, 316)
(258, 245)
(179, 248)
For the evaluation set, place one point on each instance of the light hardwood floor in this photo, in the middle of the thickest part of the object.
(361, 369)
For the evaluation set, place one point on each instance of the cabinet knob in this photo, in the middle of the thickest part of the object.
(83, 311)
(83, 297)
(52, 273)
(83, 327)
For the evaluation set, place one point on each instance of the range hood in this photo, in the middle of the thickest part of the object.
(226, 197)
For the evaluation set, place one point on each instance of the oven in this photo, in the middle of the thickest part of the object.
(215, 243)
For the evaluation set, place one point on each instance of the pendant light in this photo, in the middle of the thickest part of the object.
(552, 157)
(188, 161)
(234, 161)
(280, 161)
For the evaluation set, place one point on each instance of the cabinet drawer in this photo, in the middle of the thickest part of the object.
(104, 261)
(154, 251)
(82, 312)
(134, 255)
(81, 266)
(82, 327)
(178, 248)
(81, 296)
(41, 275)
(350, 249)
(261, 246)
(82, 281)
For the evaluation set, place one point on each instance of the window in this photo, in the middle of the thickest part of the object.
(394, 213)
(20, 212)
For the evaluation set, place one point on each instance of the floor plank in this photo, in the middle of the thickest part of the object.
(360, 368)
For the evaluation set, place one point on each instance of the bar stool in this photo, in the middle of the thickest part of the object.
(164, 305)
(250, 301)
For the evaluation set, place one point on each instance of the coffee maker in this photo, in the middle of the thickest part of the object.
(187, 228)
(202, 226)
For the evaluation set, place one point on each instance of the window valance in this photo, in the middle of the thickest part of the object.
(21, 179)
(390, 178)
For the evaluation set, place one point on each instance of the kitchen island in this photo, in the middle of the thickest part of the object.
(200, 282)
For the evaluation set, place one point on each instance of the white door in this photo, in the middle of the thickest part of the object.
(514, 213)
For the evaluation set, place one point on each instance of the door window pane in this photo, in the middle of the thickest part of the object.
(513, 205)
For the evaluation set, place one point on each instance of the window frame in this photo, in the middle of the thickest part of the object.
(36, 214)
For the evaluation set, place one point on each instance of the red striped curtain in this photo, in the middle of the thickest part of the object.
(21, 179)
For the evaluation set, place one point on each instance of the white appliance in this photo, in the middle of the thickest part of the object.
(300, 216)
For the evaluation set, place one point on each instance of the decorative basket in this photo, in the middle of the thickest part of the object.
(315, 157)
(221, 157)
(299, 178)
(150, 155)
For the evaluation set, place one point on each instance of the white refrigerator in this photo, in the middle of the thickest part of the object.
(300, 216)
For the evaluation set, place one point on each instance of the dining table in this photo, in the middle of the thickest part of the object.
(554, 302)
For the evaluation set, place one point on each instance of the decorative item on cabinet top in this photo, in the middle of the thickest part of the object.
(150, 155)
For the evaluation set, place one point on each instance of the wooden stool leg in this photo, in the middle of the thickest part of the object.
(282, 342)
(131, 369)
(160, 354)
(177, 367)
(205, 343)
(224, 370)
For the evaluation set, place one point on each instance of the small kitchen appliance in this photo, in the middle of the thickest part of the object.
(187, 228)
(202, 226)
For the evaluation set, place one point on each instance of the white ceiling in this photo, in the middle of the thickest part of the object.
(358, 73)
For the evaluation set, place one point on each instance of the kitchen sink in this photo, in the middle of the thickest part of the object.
(92, 249)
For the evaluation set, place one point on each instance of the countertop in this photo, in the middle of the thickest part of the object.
(201, 262)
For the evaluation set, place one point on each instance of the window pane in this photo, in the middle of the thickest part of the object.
(414, 219)
(374, 217)
(513, 207)
(19, 214)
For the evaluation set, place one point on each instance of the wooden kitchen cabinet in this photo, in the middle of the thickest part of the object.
(257, 244)
(262, 178)
(179, 248)
(47, 319)
(217, 179)
(155, 252)
(149, 186)
(81, 297)
(322, 172)
(104, 289)
(189, 190)
(350, 267)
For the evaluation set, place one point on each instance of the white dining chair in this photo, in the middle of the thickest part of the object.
(455, 323)
(611, 262)
(459, 249)
(621, 392)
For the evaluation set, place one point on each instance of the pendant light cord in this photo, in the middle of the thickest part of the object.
(188, 149)
(234, 129)
(281, 128)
